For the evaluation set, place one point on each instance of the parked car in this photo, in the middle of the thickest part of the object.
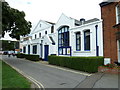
(5, 53)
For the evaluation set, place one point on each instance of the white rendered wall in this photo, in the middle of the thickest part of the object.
(92, 29)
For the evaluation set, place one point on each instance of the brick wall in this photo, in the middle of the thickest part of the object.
(108, 14)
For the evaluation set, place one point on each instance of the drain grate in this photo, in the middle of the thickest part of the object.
(62, 83)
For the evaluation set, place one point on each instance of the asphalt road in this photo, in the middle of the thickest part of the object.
(49, 77)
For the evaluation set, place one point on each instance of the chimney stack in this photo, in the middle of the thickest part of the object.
(82, 20)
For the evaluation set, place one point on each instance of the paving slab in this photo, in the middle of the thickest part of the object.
(90, 81)
(108, 81)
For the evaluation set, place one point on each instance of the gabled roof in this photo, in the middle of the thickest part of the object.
(50, 22)
(45, 22)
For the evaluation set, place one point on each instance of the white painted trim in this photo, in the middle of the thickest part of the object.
(118, 45)
(116, 8)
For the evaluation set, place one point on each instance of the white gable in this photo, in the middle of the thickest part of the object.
(64, 20)
(41, 26)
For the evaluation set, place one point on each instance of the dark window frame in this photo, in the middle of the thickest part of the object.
(35, 36)
(63, 40)
(87, 40)
(40, 35)
(45, 32)
(52, 29)
(34, 49)
(24, 49)
(78, 41)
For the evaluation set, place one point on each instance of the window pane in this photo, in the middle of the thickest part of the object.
(59, 31)
(78, 41)
(59, 36)
(77, 47)
(87, 33)
(60, 41)
(66, 29)
(62, 35)
(87, 40)
(118, 10)
(62, 30)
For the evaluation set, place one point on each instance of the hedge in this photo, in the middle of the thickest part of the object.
(32, 57)
(20, 55)
(27, 56)
(87, 64)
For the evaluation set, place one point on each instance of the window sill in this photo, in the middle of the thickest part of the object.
(82, 51)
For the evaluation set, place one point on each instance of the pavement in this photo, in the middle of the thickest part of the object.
(99, 80)
(51, 76)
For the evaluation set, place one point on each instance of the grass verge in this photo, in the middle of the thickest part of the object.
(12, 79)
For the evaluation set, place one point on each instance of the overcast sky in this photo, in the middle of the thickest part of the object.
(50, 10)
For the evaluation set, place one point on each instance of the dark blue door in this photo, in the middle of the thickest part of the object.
(28, 49)
(46, 48)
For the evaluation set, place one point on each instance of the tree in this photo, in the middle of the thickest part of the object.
(14, 21)
(6, 45)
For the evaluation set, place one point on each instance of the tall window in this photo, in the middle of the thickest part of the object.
(87, 40)
(118, 14)
(63, 36)
(39, 34)
(24, 49)
(35, 36)
(35, 49)
(52, 29)
(78, 41)
(45, 32)
(63, 40)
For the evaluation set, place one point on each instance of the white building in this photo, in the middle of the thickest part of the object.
(68, 37)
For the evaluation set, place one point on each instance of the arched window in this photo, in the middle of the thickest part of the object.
(63, 41)
(63, 36)
(78, 41)
(87, 40)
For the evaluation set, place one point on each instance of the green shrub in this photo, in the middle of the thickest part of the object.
(87, 64)
(20, 55)
(27, 56)
(32, 57)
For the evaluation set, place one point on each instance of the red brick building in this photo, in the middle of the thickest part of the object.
(110, 13)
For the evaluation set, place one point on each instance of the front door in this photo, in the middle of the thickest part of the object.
(119, 51)
(46, 52)
(28, 49)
